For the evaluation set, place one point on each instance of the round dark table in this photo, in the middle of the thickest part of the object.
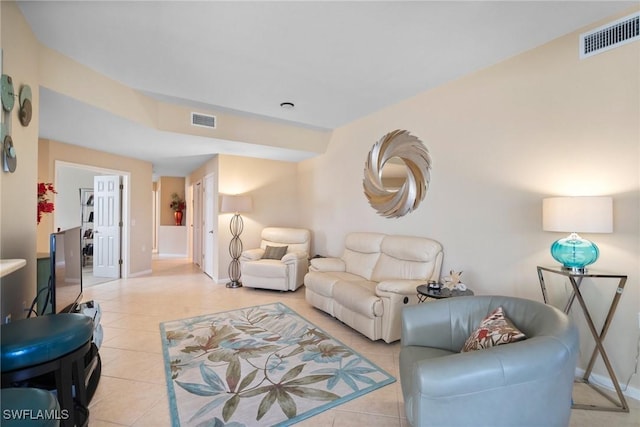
(424, 292)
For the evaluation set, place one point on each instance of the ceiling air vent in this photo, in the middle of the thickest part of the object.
(610, 36)
(203, 120)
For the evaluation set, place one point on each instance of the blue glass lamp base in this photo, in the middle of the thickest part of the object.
(574, 252)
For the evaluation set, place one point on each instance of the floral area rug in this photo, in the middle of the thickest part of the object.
(259, 366)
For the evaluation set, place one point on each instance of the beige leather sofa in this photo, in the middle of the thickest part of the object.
(285, 274)
(374, 279)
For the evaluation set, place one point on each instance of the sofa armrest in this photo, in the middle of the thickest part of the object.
(327, 264)
(429, 325)
(399, 286)
(294, 256)
(396, 295)
(252, 254)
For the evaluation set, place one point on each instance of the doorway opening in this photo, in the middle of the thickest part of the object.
(72, 211)
(205, 225)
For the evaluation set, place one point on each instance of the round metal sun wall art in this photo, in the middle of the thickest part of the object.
(394, 203)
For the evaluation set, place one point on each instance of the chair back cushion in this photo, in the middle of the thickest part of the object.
(361, 252)
(407, 257)
(459, 317)
(297, 239)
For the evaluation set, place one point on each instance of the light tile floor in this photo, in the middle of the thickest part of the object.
(132, 389)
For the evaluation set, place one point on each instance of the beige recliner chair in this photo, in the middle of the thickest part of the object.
(280, 262)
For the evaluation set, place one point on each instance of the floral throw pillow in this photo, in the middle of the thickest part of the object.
(495, 329)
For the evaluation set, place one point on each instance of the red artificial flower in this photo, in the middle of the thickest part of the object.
(44, 204)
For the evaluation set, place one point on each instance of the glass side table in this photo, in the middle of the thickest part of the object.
(576, 279)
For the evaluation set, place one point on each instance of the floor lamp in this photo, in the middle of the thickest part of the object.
(235, 204)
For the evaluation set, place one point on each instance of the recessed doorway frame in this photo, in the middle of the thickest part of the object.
(126, 205)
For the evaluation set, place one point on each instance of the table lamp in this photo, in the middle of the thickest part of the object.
(573, 215)
(235, 204)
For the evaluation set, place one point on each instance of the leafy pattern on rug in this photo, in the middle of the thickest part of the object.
(262, 365)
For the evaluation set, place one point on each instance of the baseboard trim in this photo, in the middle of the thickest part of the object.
(140, 273)
(606, 383)
(165, 255)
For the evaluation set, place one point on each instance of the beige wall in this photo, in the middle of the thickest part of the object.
(209, 168)
(167, 185)
(64, 75)
(231, 127)
(139, 224)
(68, 77)
(543, 123)
(18, 192)
(273, 187)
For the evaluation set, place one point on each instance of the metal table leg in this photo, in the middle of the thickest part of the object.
(621, 405)
(576, 280)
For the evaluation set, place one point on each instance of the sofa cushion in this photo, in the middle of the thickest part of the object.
(410, 248)
(359, 296)
(360, 264)
(323, 282)
(406, 257)
(495, 329)
(364, 242)
(389, 268)
(361, 253)
(298, 239)
(327, 264)
(265, 268)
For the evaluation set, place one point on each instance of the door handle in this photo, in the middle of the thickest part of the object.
(211, 232)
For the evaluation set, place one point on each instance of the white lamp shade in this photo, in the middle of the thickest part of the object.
(578, 214)
(236, 203)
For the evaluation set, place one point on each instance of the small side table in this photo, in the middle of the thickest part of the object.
(576, 279)
(424, 293)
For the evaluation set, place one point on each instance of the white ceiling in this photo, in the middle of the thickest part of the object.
(337, 61)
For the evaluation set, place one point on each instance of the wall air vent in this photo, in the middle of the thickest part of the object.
(610, 36)
(203, 120)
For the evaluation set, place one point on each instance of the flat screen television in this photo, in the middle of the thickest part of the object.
(65, 249)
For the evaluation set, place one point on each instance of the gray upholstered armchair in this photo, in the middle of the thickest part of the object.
(525, 383)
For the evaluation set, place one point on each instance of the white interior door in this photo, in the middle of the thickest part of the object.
(210, 215)
(197, 223)
(106, 226)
